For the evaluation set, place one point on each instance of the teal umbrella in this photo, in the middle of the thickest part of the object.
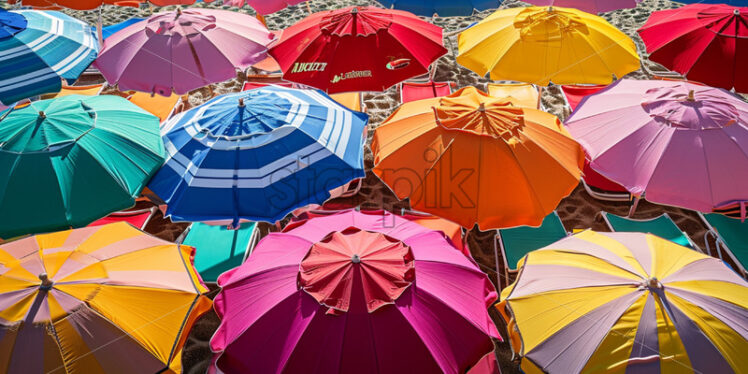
(69, 161)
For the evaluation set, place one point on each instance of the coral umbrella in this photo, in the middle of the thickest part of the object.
(472, 158)
(589, 6)
(357, 49)
(70, 161)
(324, 297)
(258, 155)
(706, 43)
(182, 50)
(264, 6)
(626, 302)
(38, 50)
(542, 45)
(106, 299)
(428, 8)
(675, 143)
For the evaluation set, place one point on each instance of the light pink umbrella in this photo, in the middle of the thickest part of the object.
(675, 143)
(264, 6)
(354, 292)
(589, 6)
(182, 50)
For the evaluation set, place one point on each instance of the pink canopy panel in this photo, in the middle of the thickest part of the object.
(675, 143)
(342, 294)
(182, 50)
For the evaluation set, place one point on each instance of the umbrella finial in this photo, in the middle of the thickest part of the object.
(46, 282)
(736, 12)
(356, 259)
(179, 11)
(241, 102)
(653, 283)
(354, 10)
(691, 96)
(482, 107)
(42, 115)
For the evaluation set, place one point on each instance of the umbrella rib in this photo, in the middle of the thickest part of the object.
(115, 149)
(527, 179)
(542, 146)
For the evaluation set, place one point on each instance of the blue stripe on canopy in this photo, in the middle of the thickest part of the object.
(108, 31)
(278, 150)
(53, 46)
(444, 8)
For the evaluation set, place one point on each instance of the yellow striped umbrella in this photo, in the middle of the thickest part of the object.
(107, 299)
(626, 302)
(541, 45)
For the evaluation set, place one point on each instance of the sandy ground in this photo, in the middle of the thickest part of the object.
(578, 211)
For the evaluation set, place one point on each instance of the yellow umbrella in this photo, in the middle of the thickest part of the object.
(626, 302)
(106, 299)
(544, 44)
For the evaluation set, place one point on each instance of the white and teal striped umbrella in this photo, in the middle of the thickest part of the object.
(38, 49)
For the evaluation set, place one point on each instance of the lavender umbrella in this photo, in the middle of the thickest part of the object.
(182, 50)
(678, 143)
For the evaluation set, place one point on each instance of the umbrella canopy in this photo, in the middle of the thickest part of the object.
(81, 301)
(615, 302)
(452, 230)
(69, 161)
(93, 4)
(258, 155)
(542, 45)
(675, 143)
(729, 2)
(472, 158)
(706, 43)
(182, 50)
(357, 49)
(589, 6)
(264, 6)
(428, 8)
(39, 49)
(354, 297)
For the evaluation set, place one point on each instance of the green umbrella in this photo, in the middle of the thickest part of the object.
(69, 161)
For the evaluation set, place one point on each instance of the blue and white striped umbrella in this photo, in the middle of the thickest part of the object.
(258, 155)
(38, 49)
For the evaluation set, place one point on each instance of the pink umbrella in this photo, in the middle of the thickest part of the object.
(182, 50)
(589, 6)
(679, 143)
(264, 6)
(354, 292)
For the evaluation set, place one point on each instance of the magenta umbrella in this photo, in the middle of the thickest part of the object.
(589, 6)
(675, 143)
(354, 293)
(182, 50)
(264, 6)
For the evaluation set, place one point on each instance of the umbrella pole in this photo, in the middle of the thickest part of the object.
(99, 26)
(633, 206)
(261, 18)
(496, 260)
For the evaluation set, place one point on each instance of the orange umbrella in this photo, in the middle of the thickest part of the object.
(472, 158)
(93, 4)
